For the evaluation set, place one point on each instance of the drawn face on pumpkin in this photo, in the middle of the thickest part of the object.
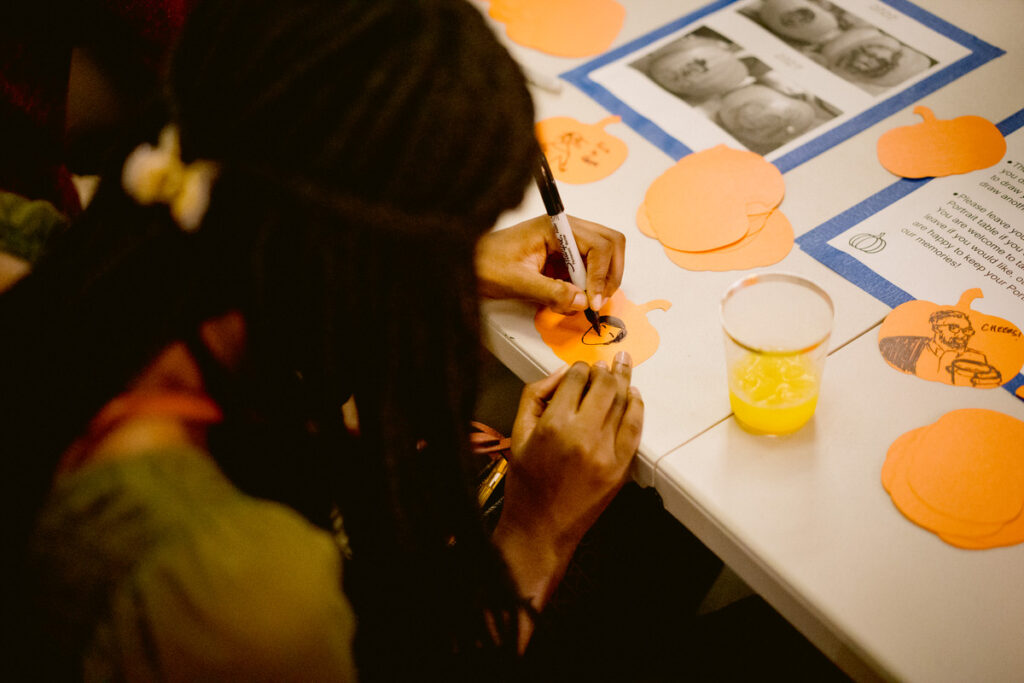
(974, 349)
(613, 330)
(866, 55)
(952, 330)
(624, 327)
(698, 68)
(799, 20)
(870, 61)
(797, 17)
(580, 152)
(762, 117)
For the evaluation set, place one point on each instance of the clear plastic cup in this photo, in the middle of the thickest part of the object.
(777, 327)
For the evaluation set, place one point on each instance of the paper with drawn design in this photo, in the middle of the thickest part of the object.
(953, 234)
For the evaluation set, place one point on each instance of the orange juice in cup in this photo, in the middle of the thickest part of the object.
(776, 328)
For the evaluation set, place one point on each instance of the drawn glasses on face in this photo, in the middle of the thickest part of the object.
(957, 328)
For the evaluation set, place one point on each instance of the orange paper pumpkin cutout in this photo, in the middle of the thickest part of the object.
(768, 241)
(702, 202)
(961, 478)
(1020, 392)
(952, 344)
(951, 478)
(580, 152)
(624, 327)
(564, 28)
(895, 480)
(716, 210)
(939, 147)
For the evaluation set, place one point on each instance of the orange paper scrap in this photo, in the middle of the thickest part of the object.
(716, 210)
(962, 478)
(624, 327)
(940, 147)
(564, 28)
(952, 344)
(580, 152)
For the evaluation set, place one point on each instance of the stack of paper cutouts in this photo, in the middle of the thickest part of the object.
(941, 147)
(952, 344)
(580, 152)
(624, 327)
(718, 210)
(961, 478)
(564, 28)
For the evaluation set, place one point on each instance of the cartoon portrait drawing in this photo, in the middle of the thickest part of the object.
(945, 353)
(952, 344)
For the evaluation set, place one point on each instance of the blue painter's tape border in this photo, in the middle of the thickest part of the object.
(815, 242)
(980, 53)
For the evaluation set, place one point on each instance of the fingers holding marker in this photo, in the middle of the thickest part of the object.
(604, 251)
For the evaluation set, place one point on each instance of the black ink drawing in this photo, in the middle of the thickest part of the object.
(591, 338)
(868, 243)
(945, 352)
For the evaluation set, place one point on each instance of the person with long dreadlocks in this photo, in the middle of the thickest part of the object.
(271, 309)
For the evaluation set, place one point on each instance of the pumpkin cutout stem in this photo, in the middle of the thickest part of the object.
(969, 296)
(655, 304)
(925, 113)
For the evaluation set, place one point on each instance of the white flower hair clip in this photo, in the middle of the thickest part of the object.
(154, 175)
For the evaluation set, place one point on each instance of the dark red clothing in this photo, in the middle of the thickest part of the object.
(130, 38)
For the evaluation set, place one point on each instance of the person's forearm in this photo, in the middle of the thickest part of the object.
(536, 566)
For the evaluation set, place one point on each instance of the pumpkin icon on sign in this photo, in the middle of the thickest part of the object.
(868, 243)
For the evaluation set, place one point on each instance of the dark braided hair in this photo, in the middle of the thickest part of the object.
(364, 145)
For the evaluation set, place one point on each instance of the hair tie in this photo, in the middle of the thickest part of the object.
(154, 175)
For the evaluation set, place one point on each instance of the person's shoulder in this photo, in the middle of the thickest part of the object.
(903, 351)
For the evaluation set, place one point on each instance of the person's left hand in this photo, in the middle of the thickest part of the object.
(525, 262)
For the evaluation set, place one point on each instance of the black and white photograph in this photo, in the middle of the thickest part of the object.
(840, 41)
(784, 78)
(734, 89)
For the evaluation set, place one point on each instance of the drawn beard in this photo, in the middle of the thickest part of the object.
(954, 341)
